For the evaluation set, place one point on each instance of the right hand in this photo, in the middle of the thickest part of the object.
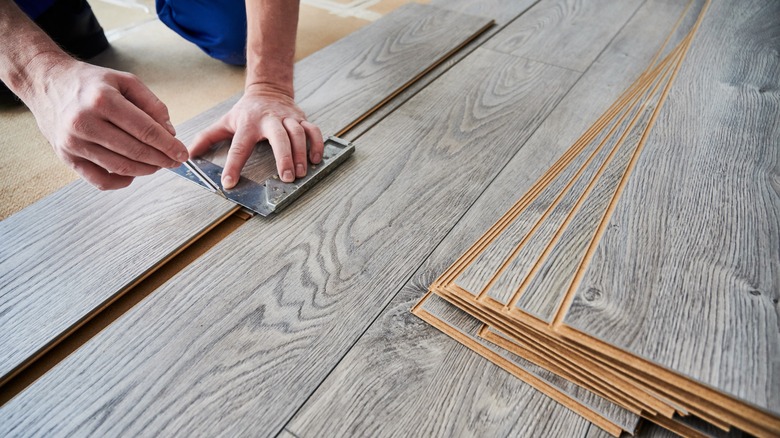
(105, 124)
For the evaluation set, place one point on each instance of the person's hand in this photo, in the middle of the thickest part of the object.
(263, 114)
(107, 125)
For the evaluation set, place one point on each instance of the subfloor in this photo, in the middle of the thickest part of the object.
(182, 76)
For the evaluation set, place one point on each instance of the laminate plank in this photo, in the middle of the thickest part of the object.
(240, 339)
(500, 11)
(348, 79)
(119, 237)
(549, 282)
(632, 50)
(405, 378)
(71, 254)
(399, 343)
(584, 28)
(687, 274)
(466, 329)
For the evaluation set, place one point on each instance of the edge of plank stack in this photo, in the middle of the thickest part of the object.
(523, 278)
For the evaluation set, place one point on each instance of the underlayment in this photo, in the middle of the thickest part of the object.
(182, 76)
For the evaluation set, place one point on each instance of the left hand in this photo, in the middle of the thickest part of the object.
(263, 114)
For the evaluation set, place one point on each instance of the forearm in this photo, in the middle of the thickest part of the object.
(27, 53)
(271, 31)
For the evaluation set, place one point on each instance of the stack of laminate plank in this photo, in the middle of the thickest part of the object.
(640, 275)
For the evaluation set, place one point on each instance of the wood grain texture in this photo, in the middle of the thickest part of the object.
(127, 233)
(586, 403)
(616, 68)
(348, 79)
(451, 391)
(547, 286)
(69, 255)
(687, 274)
(500, 11)
(405, 378)
(584, 28)
(242, 337)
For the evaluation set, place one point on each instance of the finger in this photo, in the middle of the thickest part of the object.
(129, 118)
(273, 130)
(240, 149)
(297, 137)
(99, 177)
(141, 96)
(114, 162)
(210, 136)
(114, 139)
(316, 145)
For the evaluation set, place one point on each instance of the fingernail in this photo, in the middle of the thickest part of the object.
(227, 181)
(182, 156)
(299, 170)
(287, 176)
(170, 127)
(316, 158)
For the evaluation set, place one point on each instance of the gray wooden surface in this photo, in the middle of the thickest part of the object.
(547, 288)
(67, 256)
(584, 28)
(502, 12)
(90, 259)
(688, 273)
(470, 326)
(240, 339)
(345, 81)
(467, 393)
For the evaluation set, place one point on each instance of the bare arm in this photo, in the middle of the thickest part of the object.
(105, 124)
(267, 110)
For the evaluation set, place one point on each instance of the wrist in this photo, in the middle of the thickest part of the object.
(34, 76)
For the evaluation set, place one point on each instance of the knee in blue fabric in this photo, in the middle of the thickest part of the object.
(218, 27)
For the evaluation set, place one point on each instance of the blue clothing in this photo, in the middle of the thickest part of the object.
(218, 27)
(34, 8)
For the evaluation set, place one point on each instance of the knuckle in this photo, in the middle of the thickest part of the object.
(149, 134)
(124, 168)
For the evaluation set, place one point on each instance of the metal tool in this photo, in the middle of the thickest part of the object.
(271, 195)
(204, 178)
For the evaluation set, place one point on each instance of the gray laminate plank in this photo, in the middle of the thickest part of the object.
(547, 207)
(548, 286)
(453, 395)
(688, 273)
(67, 256)
(500, 11)
(405, 378)
(644, 36)
(584, 28)
(343, 82)
(469, 327)
(238, 340)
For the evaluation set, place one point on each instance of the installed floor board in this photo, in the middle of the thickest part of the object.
(71, 254)
(242, 337)
(703, 220)
(500, 11)
(342, 83)
(452, 388)
(99, 244)
(584, 28)
(405, 378)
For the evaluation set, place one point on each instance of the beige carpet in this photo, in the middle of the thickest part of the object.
(187, 80)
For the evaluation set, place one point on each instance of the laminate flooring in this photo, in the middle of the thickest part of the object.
(84, 248)
(696, 290)
(245, 334)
